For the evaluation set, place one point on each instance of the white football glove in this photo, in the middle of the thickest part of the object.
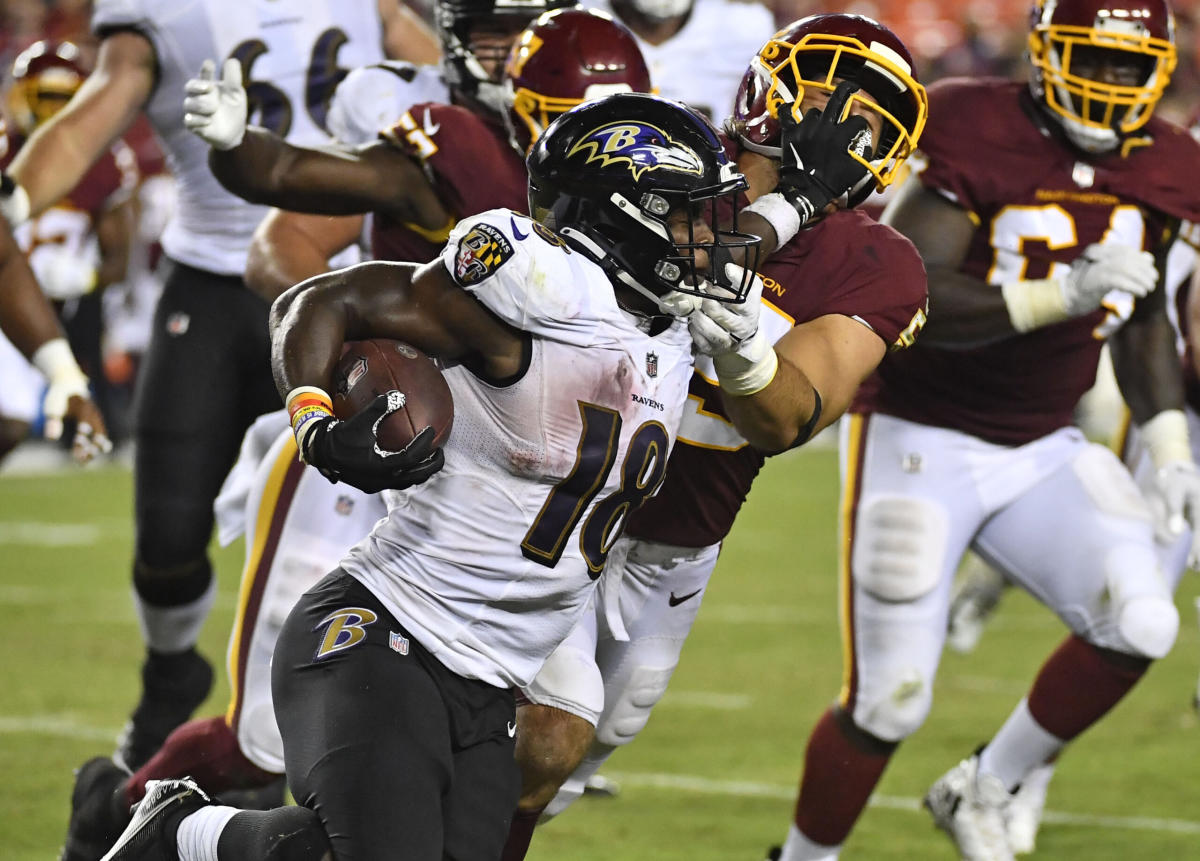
(719, 327)
(216, 110)
(63, 274)
(743, 358)
(1101, 268)
(1174, 498)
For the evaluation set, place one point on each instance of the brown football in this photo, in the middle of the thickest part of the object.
(371, 368)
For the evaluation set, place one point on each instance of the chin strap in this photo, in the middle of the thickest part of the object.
(593, 251)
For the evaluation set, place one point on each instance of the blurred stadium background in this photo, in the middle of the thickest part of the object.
(714, 775)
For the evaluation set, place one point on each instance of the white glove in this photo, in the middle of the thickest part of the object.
(63, 274)
(719, 327)
(216, 110)
(743, 358)
(1174, 498)
(1101, 268)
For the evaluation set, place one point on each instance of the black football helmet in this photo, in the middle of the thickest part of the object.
(473, 64)
(608, 174)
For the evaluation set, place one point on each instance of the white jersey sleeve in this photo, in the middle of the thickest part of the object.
(373, 98)
(293, 54)
(517, 268)
(703, 64)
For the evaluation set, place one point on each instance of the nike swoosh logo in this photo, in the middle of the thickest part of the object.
(430, 127)
(512, 729)
(675, 602)
(516, 230)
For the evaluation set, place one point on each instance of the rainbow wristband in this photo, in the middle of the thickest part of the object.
(305, 404)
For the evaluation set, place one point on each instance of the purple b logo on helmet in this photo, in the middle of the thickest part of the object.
(640, 146)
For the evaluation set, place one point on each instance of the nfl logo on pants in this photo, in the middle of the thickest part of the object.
(398, 643)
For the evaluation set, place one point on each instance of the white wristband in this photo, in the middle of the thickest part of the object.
(781, 215)
(15, 206)
(1033, 304)
(1166, 438)
(750, 369)
(57, 363)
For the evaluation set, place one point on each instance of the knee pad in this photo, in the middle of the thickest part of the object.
(1145, 615)
(569, 680)
(174, 585)
(900, 711)
(629, 710)
(899, 547)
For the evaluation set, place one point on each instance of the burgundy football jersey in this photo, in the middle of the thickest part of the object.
(471, 164)
(1037, 204)
(845, 264)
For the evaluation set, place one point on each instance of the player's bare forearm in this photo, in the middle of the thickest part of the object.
(266, 169)
(771, 420)
(830, 355)
(406, 36)
(114, 231)
(290, 247)
(417, 304)
(1145, 360)
(26, 318)
(59, 153)
(965, 311)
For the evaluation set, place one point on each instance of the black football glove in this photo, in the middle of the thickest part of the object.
(349, 450)
(816, 166)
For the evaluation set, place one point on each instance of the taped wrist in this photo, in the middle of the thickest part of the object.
(1033, 304)
(1166, 438)
(778, 212)
(57, 363)
(749, 369)
(305, 406)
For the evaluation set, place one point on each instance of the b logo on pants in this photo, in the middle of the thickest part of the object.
(343, 628)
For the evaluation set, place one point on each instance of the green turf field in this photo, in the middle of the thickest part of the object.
(711, 779)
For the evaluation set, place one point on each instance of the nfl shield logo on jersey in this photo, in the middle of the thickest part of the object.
(652, 365)
(398, 643)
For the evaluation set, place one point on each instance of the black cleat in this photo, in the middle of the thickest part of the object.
(150, 835)
(173, 685)
(95, 819)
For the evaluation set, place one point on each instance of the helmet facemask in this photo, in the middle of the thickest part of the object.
(1102, 83)
(615, 176)
(821, 64)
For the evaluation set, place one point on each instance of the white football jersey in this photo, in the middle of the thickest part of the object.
(293, 53)
(703, 64)
(490, 563)
(372, 98)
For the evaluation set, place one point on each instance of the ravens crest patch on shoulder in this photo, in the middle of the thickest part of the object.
(482, 251)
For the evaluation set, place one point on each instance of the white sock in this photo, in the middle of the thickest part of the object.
(174, 629)
(1020, 746)
(196, 839)
(797, 847)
